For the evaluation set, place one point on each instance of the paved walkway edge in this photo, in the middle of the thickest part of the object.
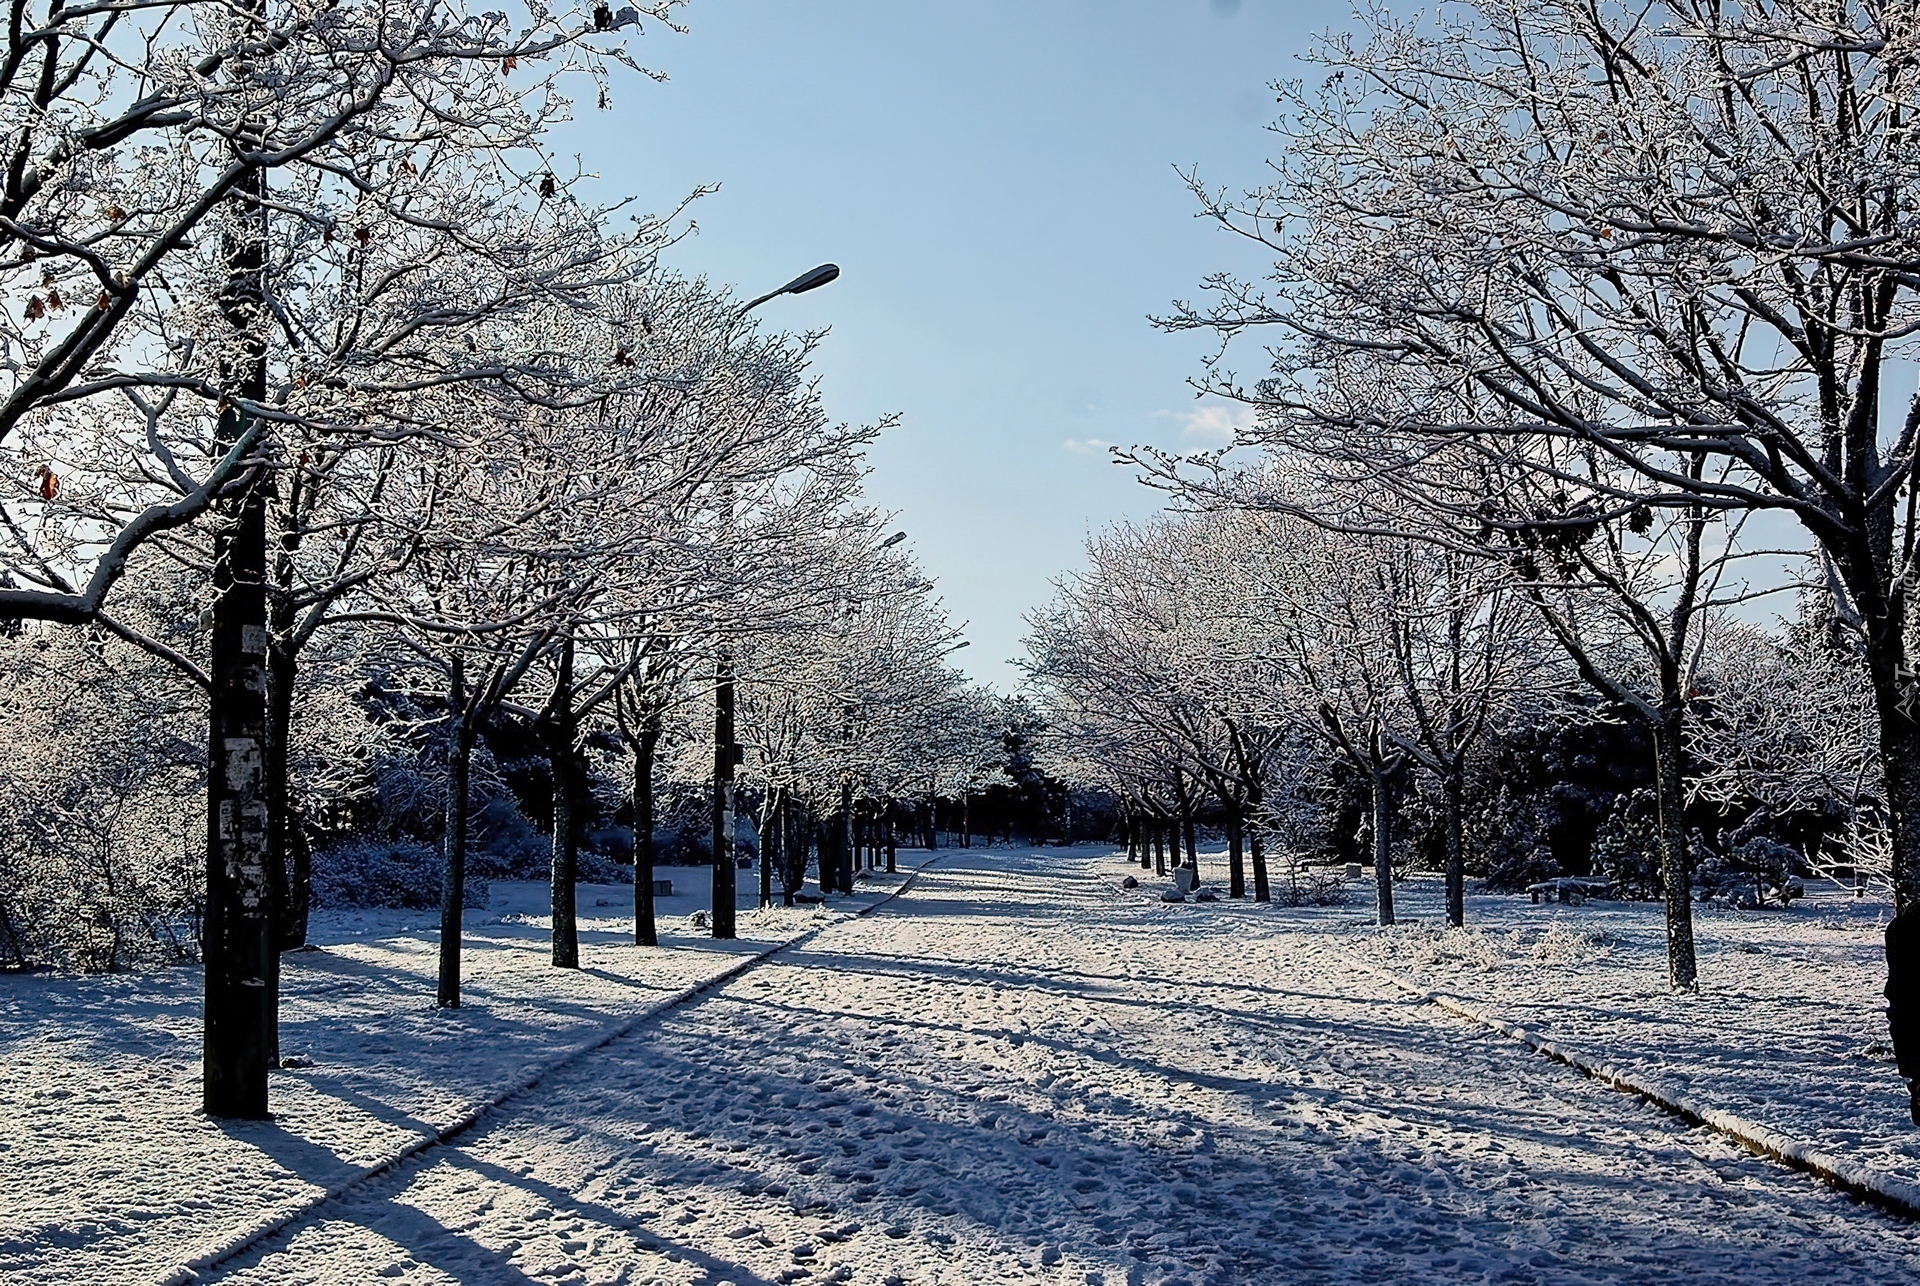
(190, 1270)
(1867, 1184)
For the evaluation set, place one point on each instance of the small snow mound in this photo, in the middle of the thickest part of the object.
(784, 919)
(1561, 943)
(1426, 944)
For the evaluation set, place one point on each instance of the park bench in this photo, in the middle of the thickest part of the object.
(1571, 889)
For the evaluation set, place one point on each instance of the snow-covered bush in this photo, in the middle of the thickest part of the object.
(1789, 737)
(1627, 848)
(101, 836)
(591, 867)
(1301, 884)
(367, 872)
(683, 828)
(1507, 840)
(1519, 867)
(506, 844)
(1753, 870)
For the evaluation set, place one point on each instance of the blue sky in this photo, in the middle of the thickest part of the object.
(997, 182)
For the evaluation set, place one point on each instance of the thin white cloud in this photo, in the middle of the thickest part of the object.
(1087, 446)
(1212, 422)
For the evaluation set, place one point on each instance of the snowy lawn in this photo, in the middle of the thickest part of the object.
(1018, 1073)
(107, 1172)
(1788, 1028)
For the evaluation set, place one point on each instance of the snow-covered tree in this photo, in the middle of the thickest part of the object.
(1671, 240)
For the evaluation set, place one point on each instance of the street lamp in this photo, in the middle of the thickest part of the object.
(893, 540)
(812, 279)
(727, 753)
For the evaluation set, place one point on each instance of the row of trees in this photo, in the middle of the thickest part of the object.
(345, 440)
(1306, 688)
(1606, 307)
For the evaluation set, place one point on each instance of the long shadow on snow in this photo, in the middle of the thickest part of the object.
(1260, 1093)
(992, 1167)
(687, 1078)
(1038, 978)
(379, 1209)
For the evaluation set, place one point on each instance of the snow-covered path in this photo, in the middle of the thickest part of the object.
(1016, 1074)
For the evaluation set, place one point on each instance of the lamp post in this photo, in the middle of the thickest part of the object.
(727, 753)
(883, 824)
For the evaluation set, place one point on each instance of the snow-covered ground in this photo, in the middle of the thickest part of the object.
(1015, 1072)
(107, 1173)
(1788, 1028)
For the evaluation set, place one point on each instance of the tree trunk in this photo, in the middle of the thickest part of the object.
(1383, 843)
(1262, 891)
(724, 757)
(767, 847)
(1894, 698)
(299, 877)
(241, 965)
(645, 933)
(809, 837)
(453, 872)
(566, 928)
(966, 820)
(1675, 868)
(1160, 846)
(292, 890)
(1456, 857)
(1900, 764)
(560, 755)
(843, 867)
(292, 881)
(1900, 769)
(823, 857)
(1236, 861)
(893, 865)
(1193, 848)
(792, 871)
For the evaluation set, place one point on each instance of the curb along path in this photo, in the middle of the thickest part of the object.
(190, 1269)
(1870, 1185)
